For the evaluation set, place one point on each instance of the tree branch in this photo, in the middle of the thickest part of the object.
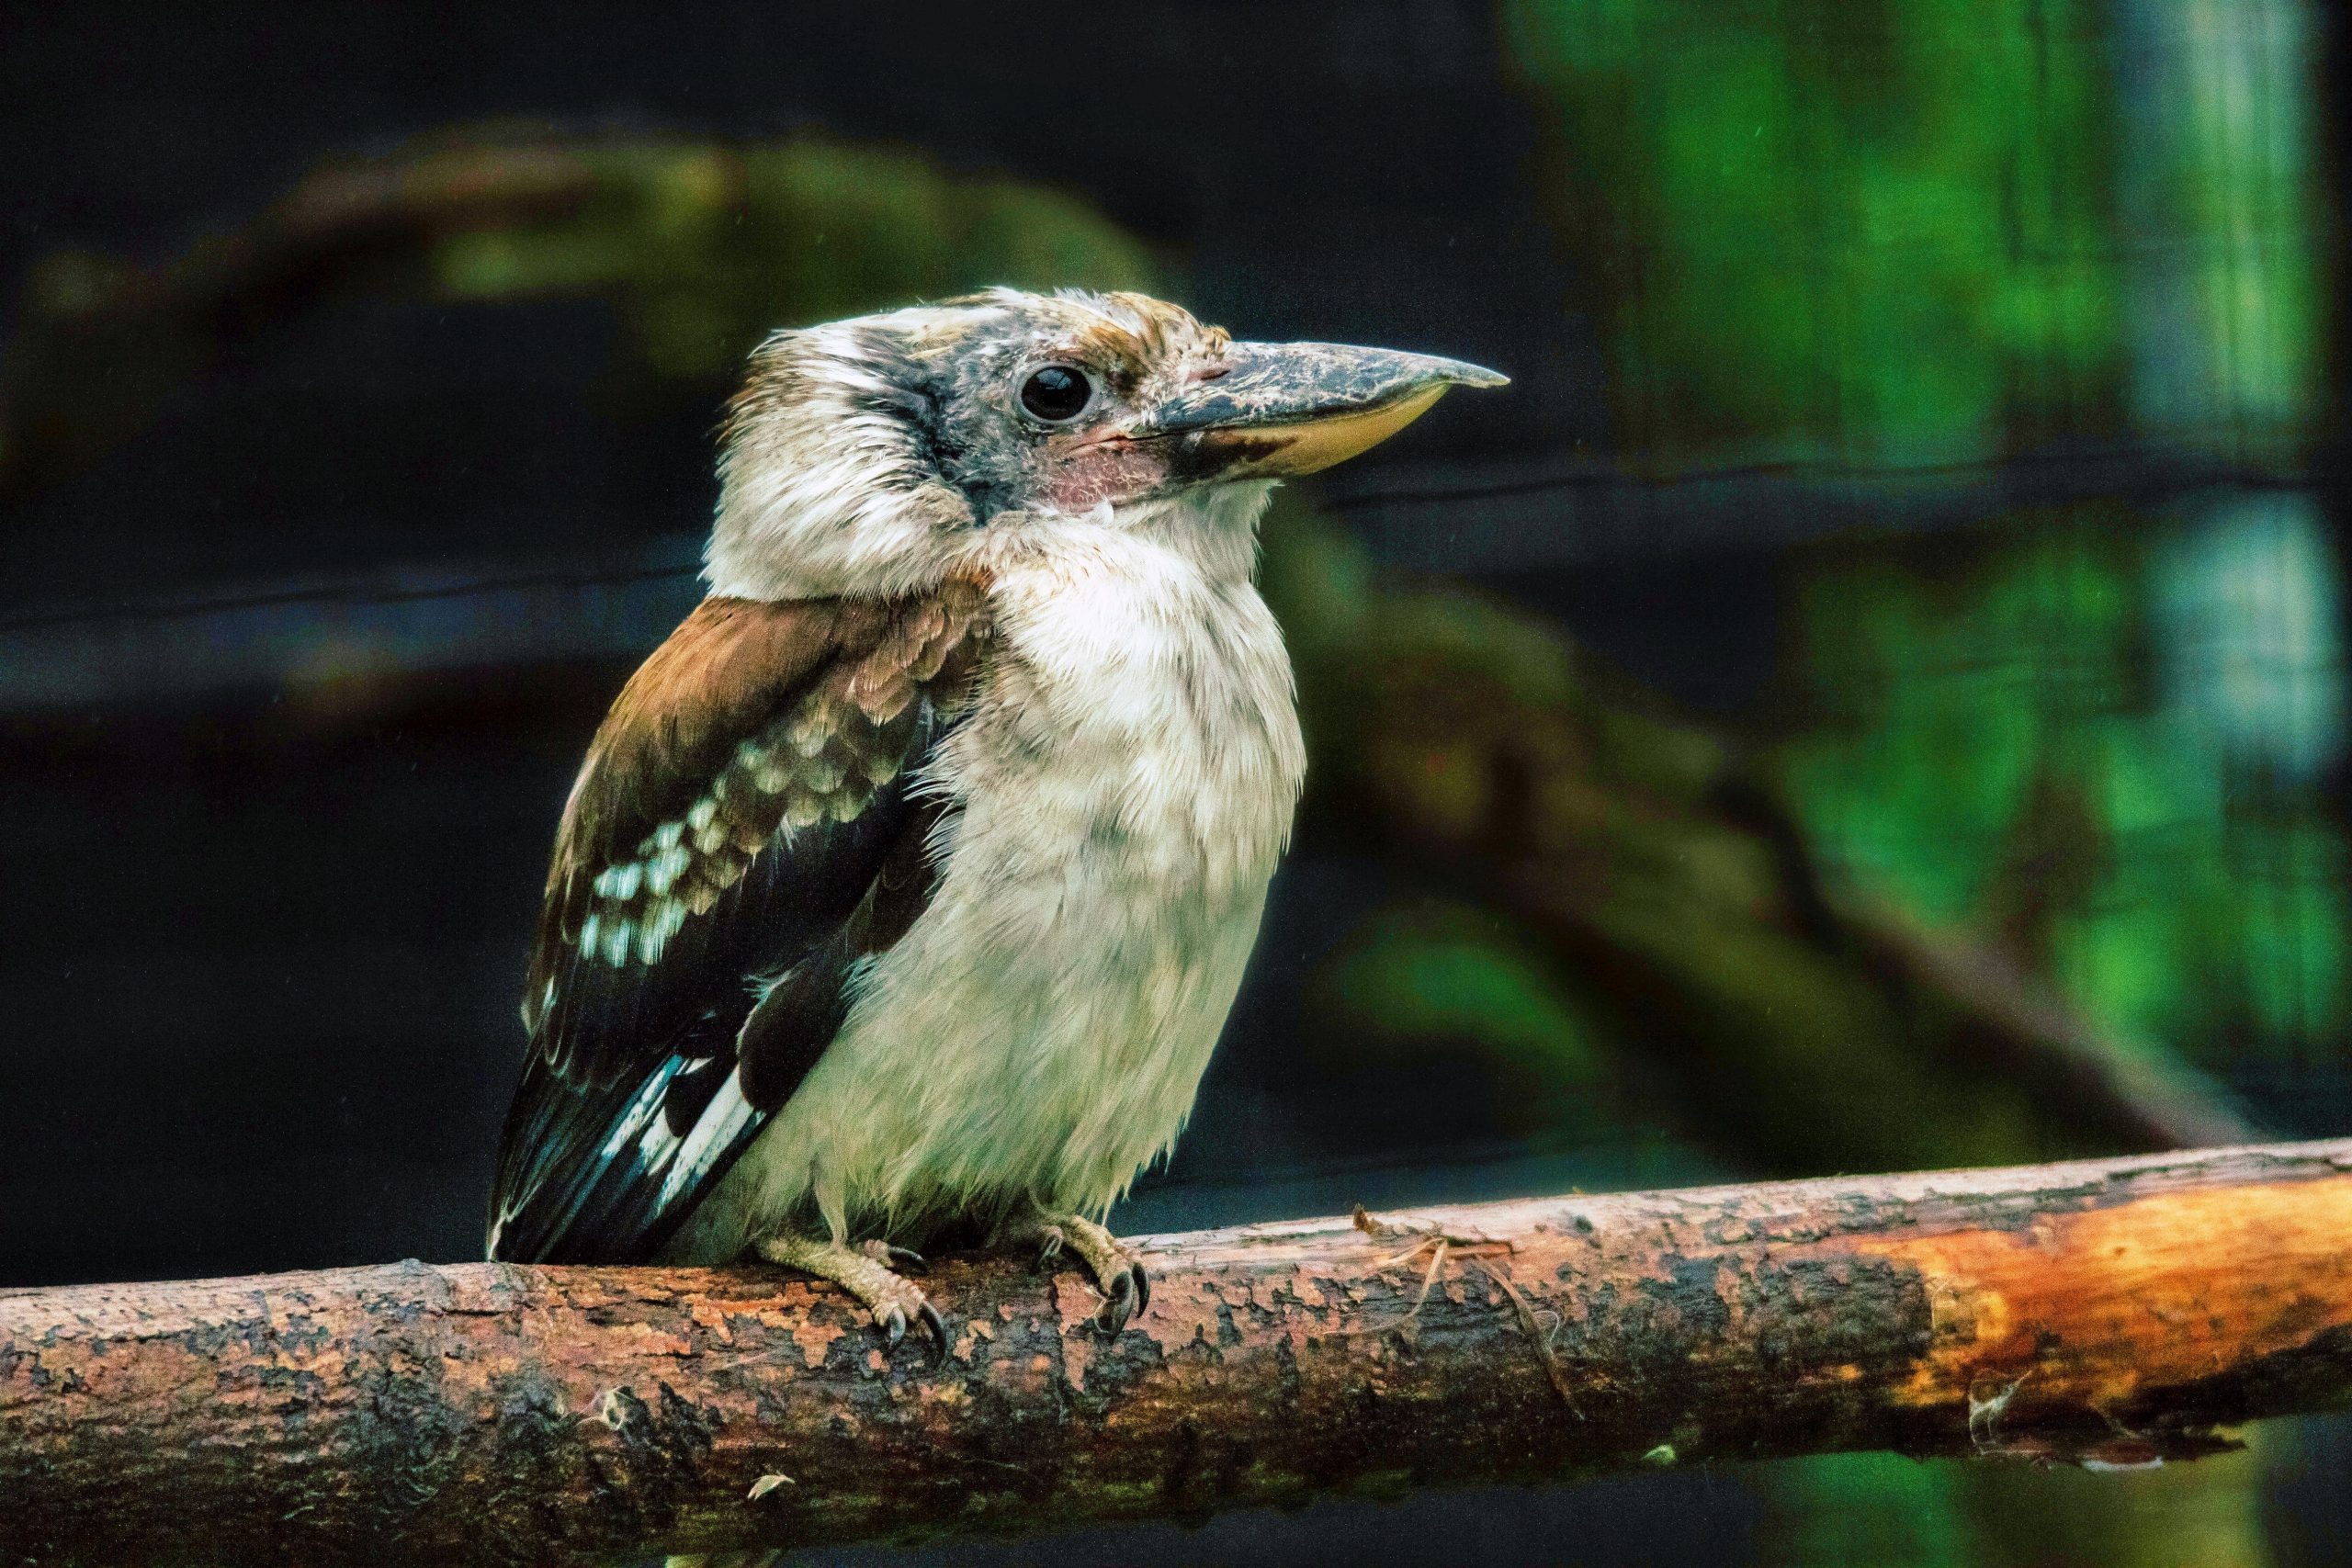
(2112, 1311)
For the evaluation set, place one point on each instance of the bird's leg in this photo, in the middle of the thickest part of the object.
(1118, 1273)
(864, 1273)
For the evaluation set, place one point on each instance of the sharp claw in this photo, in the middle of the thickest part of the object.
(894, 1325)
(891, 1257)
(1120, 1307)
(1049, 1248)
(1143, 1287)
(937, 1328)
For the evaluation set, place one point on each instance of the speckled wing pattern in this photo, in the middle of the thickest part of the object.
(747, 828)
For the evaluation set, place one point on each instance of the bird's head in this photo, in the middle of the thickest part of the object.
(866, 457)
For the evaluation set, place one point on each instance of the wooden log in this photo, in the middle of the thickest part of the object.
(2114, 1312)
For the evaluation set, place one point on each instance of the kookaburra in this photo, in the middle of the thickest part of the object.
(910, 882)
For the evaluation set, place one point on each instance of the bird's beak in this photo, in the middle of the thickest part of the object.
(1272, 410)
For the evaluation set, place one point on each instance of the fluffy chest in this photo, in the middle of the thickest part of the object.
(1125, 784)
(1136, 731)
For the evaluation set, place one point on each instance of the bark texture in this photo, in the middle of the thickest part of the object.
(2111, 1311)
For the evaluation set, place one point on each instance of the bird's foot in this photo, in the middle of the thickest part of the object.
(1118, 1273)
(865, 1272)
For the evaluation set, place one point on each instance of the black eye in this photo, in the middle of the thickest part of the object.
(1057, 393)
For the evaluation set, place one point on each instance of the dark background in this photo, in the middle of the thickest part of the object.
(279, 774)
(301, 940)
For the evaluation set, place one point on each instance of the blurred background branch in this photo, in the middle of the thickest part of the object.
(1683, 906)
(692, 242)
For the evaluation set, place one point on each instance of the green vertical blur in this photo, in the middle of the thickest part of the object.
(1876, 230)
(1920, 231)
(2096, 741)
(1933, 231)
(1905, 233)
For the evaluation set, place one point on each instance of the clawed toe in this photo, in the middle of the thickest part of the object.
(1127, 1289)
(864, 1270)
(1123, 1300)
(936, 1326)
(906, 1305)
(895, 1310)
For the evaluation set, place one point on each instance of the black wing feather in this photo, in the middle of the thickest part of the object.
(688, 979)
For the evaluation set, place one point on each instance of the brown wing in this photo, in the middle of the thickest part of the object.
(746, 827)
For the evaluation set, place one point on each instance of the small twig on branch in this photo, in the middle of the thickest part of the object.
(2111, 1312)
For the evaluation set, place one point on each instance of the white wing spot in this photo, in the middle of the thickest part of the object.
(667, 867)
(662, 923)
(808, 735)
(621, 881)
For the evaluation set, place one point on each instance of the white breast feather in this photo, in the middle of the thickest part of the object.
(1127, 782)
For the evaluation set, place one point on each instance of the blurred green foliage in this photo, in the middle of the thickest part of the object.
(1918, 231)
(1882, 1511)
(1873, 227)
(1441, 982)
(705, 248)
(1647, 942)
(2018, 743)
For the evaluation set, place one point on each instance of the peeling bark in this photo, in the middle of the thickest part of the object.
(2112, 1312)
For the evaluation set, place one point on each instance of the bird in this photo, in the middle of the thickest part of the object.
(904, 889)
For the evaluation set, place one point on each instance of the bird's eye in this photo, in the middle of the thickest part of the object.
(1057, 393)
